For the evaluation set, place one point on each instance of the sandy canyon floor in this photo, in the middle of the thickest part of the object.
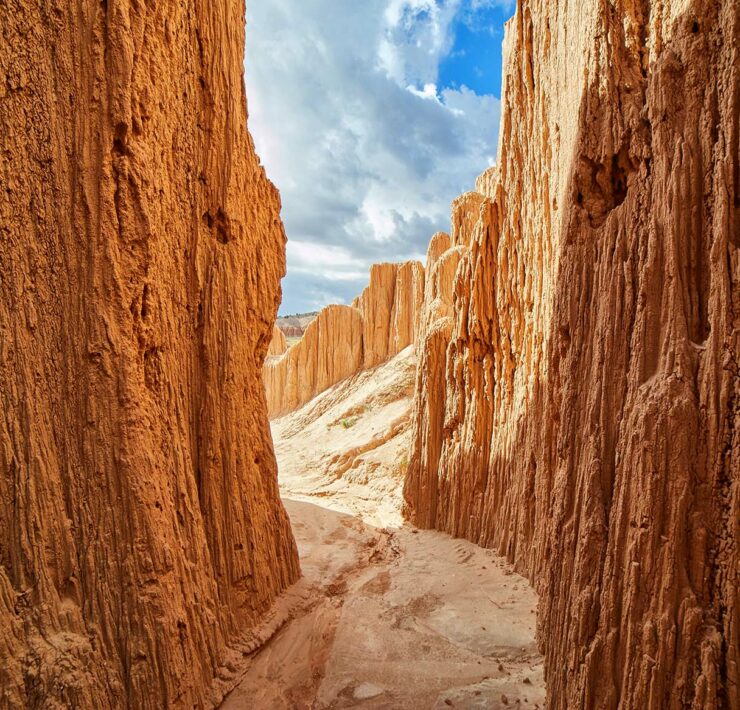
(386, 616)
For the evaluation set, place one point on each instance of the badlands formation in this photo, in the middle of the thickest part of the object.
(294, 326)
(576, 396)
(577, 391)
(343, 340)
(142, 537)
(559, 385)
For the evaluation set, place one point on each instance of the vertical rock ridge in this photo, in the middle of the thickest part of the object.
(577, 409)
(343, 340)
(140, 524)
(329, 351)
(278, 344)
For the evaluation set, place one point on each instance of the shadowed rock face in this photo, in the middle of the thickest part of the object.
(278, 344)
(343, 340)
(577, 392)
(140, 255)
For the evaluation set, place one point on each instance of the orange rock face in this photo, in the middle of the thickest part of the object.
(278, 344)
(390, 310)
(329, 351)
(140, 525)
(577, 393)
(343, 340)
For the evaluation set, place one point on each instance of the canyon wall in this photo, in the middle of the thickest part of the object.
(278, 344)
(343, 340)
(390, 310)
(578, 386)
(141, 529)
(329, 351)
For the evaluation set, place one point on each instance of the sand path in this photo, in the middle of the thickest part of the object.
(386, 616)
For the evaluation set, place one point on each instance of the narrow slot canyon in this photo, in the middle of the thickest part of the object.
(385, 615)
(381, 433)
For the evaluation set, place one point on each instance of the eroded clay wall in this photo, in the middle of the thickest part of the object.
(577, 402)
(141, 249)
(343, 340)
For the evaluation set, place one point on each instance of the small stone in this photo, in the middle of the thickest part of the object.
(365, 691)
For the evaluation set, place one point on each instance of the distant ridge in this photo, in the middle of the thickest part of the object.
(294, 326)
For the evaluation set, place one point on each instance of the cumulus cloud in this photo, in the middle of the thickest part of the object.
(366, 149)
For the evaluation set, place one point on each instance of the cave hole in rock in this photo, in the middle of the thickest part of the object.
(602, 185)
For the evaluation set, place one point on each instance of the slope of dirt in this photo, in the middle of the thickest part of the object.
(386, 616)
(349, 443)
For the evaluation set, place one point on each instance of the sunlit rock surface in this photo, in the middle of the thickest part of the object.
(343, 340)
(141, 531)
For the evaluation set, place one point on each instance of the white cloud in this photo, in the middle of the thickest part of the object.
(429, 91)
(366, 149)
(416, 37)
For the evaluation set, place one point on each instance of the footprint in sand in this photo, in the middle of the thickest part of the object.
(378, 585)
(463, 554)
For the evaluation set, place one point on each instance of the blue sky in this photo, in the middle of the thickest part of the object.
(370, 117)
(475, 58)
